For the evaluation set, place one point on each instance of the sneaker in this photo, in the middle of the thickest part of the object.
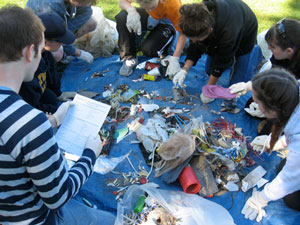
(206, 100)
(127, 67)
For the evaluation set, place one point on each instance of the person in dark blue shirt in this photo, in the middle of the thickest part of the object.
(78, 17)
(43, 91)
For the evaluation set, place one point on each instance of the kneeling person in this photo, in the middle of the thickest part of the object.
(43, 91)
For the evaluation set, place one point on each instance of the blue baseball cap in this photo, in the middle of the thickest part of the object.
(56, 28)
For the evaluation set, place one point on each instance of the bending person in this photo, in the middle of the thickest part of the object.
(276, 92)
(43, 92)
(78, 17)
(132, 21)
(225, 30)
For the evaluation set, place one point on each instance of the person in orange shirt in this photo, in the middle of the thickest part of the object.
(132, 21)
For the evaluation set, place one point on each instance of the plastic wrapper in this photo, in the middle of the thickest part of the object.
(191, 209)
(174, 152)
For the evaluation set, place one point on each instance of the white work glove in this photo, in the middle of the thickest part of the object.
(254, 110)
(94, 143)
(86, 56)
(173, 66)
(240, 88)
(133, 22)
(61, 112)
(66, 96)
(260, 143)
(254, 207)
(179, 77)
(280, 144)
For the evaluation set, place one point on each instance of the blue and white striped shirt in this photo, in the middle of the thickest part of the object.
(34, 177)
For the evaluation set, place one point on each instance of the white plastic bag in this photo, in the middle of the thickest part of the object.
(103, 41)
(154, 132)
(266, 52)
(192, 209)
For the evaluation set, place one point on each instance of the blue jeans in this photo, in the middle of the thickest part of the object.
(77, 213)
(83, 14)
(244, 67)
(76, 16)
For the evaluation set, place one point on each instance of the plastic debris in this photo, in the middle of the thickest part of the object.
(253, 178)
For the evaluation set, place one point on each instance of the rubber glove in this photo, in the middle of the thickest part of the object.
(179, 77)
(241, 88)
(260, 143)
(173, 67)
(94, 143)
(61, 112)
(254, 207)
(86, 56)
(133, 22)
(254, 110)
(66, 96)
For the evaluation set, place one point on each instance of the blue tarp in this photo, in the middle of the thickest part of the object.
(77, 76)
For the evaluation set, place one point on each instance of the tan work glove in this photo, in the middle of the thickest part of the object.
(61, 112)
(240, 88)
(254, 207)
(173, 66)
(261, 143)
(86, 56)
(94, 143)
(179, 77)
(254, 110)
(133, 22)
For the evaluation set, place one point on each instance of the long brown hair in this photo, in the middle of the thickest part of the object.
(278, 90)
(285, 34)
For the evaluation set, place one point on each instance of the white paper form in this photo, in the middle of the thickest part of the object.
(84, 118)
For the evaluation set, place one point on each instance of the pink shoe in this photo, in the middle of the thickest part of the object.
(215, 91)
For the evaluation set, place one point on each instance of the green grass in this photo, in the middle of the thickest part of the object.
(268, 12)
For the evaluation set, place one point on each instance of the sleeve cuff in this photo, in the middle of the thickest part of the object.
(216, 72)
(90, 153)
(264, 196)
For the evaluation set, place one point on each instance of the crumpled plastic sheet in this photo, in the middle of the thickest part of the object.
(105, 164)
(153, 132)
(103, 40)
(192, 209)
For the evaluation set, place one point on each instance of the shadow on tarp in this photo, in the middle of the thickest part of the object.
(77, 76)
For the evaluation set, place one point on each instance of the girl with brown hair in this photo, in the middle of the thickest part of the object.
(276, 92)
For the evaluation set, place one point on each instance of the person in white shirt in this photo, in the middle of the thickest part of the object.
(276, 92)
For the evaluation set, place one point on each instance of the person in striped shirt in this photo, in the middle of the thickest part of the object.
(36, 186)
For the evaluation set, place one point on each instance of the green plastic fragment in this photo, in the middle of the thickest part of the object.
(139, 204)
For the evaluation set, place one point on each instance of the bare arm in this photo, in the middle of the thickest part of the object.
(188, 64)
(213, 80)
(180, 44)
